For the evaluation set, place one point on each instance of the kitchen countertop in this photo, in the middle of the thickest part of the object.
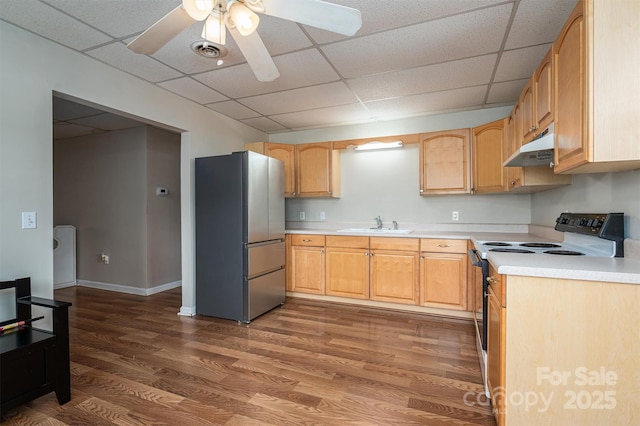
(605, 269)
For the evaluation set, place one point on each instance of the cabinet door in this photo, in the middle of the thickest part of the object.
(307, 269)
(443, 280)
(315, 170)
(570, 74)
(543, 92)
(444, 162)
(513, 175)
(488, 155)
(394, 276)
(528, 112)
(347, 272)
(286, 154)
(496, 317)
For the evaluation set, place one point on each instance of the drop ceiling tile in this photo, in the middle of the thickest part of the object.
(264, 124)
(448, 100)
(456, 37)
(526, 31)
(191, 89)
(66, 130)
(64, 110)
(430, 78)
(118, 18)
(506, 92)
(320, 96)
(50, 23)
(234, 110)
(324, 116)
(107, 121)
(298, 69)
(520, 63)
(117, 55)
(386, 15)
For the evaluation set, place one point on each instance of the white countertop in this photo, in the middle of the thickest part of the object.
(605, 269)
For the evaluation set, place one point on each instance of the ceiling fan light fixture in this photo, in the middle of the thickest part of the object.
(214, 29)
(198, 9)
(241, 17)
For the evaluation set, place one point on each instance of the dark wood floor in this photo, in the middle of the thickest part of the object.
(135, 362)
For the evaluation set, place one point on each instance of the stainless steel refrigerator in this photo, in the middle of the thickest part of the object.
(239, 235)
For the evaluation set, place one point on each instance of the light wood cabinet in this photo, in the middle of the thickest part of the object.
(488, 142)
(317, 170)
(283, 152)
(526, 102)
(395, 270)
(543, 89)
(306, 264)
(445, 162)
(597, 98)
(347, 267)
(443, 273)
(496, 321)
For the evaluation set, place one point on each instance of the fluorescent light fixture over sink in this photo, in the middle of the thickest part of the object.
(379, 145)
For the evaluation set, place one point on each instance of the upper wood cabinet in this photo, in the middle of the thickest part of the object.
(445, 162)
(526, 102)
(543, 89)
(317, 170)
(597, 99)
(283, 152)
(488, 142)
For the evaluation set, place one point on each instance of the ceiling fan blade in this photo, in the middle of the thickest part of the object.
(256, 54)
(317, 13)
(163, 31)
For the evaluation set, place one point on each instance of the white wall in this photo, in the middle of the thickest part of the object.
(593, 193)
(27, 81)
(386, 183)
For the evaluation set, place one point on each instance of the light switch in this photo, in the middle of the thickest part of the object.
(29, 220)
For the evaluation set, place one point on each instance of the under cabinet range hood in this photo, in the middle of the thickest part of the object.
(538, 152)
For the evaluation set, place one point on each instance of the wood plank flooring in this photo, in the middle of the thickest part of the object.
(134, 361)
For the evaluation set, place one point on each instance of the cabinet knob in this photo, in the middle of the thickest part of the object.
(421, 190)
(513, 182)
(491, 280)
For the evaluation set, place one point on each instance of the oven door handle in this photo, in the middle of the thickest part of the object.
(475, 255)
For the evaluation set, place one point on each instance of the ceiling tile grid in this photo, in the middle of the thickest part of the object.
(410, 57)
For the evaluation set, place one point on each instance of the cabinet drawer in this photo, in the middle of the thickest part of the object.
(394, 243)
(497, 284)
(347, 242)
(443, 246)
(307, 240)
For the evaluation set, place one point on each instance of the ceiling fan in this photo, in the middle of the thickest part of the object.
(241, 18)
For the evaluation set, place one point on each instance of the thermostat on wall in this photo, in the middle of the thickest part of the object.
(162, 191)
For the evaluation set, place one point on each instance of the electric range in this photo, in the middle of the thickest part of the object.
(585, 234)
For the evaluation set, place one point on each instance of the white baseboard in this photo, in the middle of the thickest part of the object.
(65, 285)
(128, 289)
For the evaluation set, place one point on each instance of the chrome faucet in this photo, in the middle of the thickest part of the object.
(378, 222)
(395, 225)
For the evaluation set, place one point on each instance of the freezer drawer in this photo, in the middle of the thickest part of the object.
(264, 257)
(265, 293)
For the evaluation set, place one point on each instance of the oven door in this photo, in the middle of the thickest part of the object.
(481, 295)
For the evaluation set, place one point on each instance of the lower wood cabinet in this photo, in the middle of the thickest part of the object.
(394, 269)
(443, 273)
(347, 267)
(307, 264)
(496, 322)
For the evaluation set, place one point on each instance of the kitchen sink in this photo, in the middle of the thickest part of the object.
(376, 230)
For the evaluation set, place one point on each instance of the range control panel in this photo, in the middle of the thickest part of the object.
(609, 226)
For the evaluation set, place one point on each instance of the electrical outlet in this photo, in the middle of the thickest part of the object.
(301, 215)
(323, 216)
(455, 216)
(104, 258)
(29, 220)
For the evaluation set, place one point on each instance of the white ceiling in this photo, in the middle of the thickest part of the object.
(410, 58)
